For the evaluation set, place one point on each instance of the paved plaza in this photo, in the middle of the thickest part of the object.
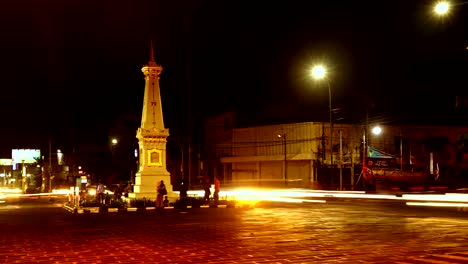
(313, 233)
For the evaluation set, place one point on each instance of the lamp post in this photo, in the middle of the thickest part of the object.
(114, 142)
(376, 130)
(182, 161)
(319, 72)
(285, 175)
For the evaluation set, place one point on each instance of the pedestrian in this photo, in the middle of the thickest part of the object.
(161, 191)
(206, 187)
(216, 191)
(183, 188)
(165, 202)
(100, 192)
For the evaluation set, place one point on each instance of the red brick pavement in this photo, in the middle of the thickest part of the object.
(312, 234)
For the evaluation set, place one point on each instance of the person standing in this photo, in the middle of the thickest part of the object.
(216, 191)
(100, 192)
(161, 191)
(183, 188)
(206, 187)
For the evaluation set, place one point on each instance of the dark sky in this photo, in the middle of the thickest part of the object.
(75, 65)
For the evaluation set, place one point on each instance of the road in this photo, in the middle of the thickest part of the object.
(43, 232)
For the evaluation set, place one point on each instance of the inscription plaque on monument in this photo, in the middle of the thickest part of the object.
(154, 157)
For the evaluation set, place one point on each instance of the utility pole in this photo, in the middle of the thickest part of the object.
(285, 164)
(401, 150)
(323, 143)
(331, 133)
(190, 161)
(187, 28)
(341, 160)
(182, 161)
(50, 165)
(285, 161)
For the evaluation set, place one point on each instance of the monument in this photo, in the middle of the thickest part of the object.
(152, 138)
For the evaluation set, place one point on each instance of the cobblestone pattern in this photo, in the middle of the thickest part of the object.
(328, 233)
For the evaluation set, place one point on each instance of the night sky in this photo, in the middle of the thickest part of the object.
(71, 70)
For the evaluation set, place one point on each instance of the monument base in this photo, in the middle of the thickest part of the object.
(146, 183)
(171, 196)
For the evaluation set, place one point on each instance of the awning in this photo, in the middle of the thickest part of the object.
(375, 153)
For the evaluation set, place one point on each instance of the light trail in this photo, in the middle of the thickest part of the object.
(252, 195)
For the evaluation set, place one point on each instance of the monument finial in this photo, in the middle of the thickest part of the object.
(152, 52)
(152, 62)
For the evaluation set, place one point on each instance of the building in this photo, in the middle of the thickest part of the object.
(304, 155)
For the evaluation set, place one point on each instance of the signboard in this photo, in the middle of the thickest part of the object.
(27, 156)
(382, 163)
(154, 157)
(379, 159)
(6, 162)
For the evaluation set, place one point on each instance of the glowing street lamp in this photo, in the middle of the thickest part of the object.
(319, 72)
(441, 8)
(376, 130)
(114, 142)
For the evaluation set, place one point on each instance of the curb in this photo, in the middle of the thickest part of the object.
(81, 210)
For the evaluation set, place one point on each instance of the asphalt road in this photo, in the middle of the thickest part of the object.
(43, 232)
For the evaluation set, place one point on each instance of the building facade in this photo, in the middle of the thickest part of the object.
(304, 155)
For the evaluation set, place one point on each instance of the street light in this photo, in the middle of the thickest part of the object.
(319, 72)
(441, 8)
(376, 130)
(114, 142)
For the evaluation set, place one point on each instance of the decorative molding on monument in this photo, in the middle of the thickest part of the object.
(153, 131)
(152, 72)
(153, 135)
(153, 140)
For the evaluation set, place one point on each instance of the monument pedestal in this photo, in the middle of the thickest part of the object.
(147, 181)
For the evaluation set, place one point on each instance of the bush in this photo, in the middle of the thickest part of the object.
(31, 190)
(195, 202)
(142, 203)
(118, 203)
(89, 203)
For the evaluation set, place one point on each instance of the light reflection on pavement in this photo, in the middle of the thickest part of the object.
(317, 233)
(353, 231)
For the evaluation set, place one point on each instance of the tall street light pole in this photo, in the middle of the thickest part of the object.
(331, 122)
(319, 72)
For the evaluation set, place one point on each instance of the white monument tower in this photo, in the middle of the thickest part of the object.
(152, 137)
